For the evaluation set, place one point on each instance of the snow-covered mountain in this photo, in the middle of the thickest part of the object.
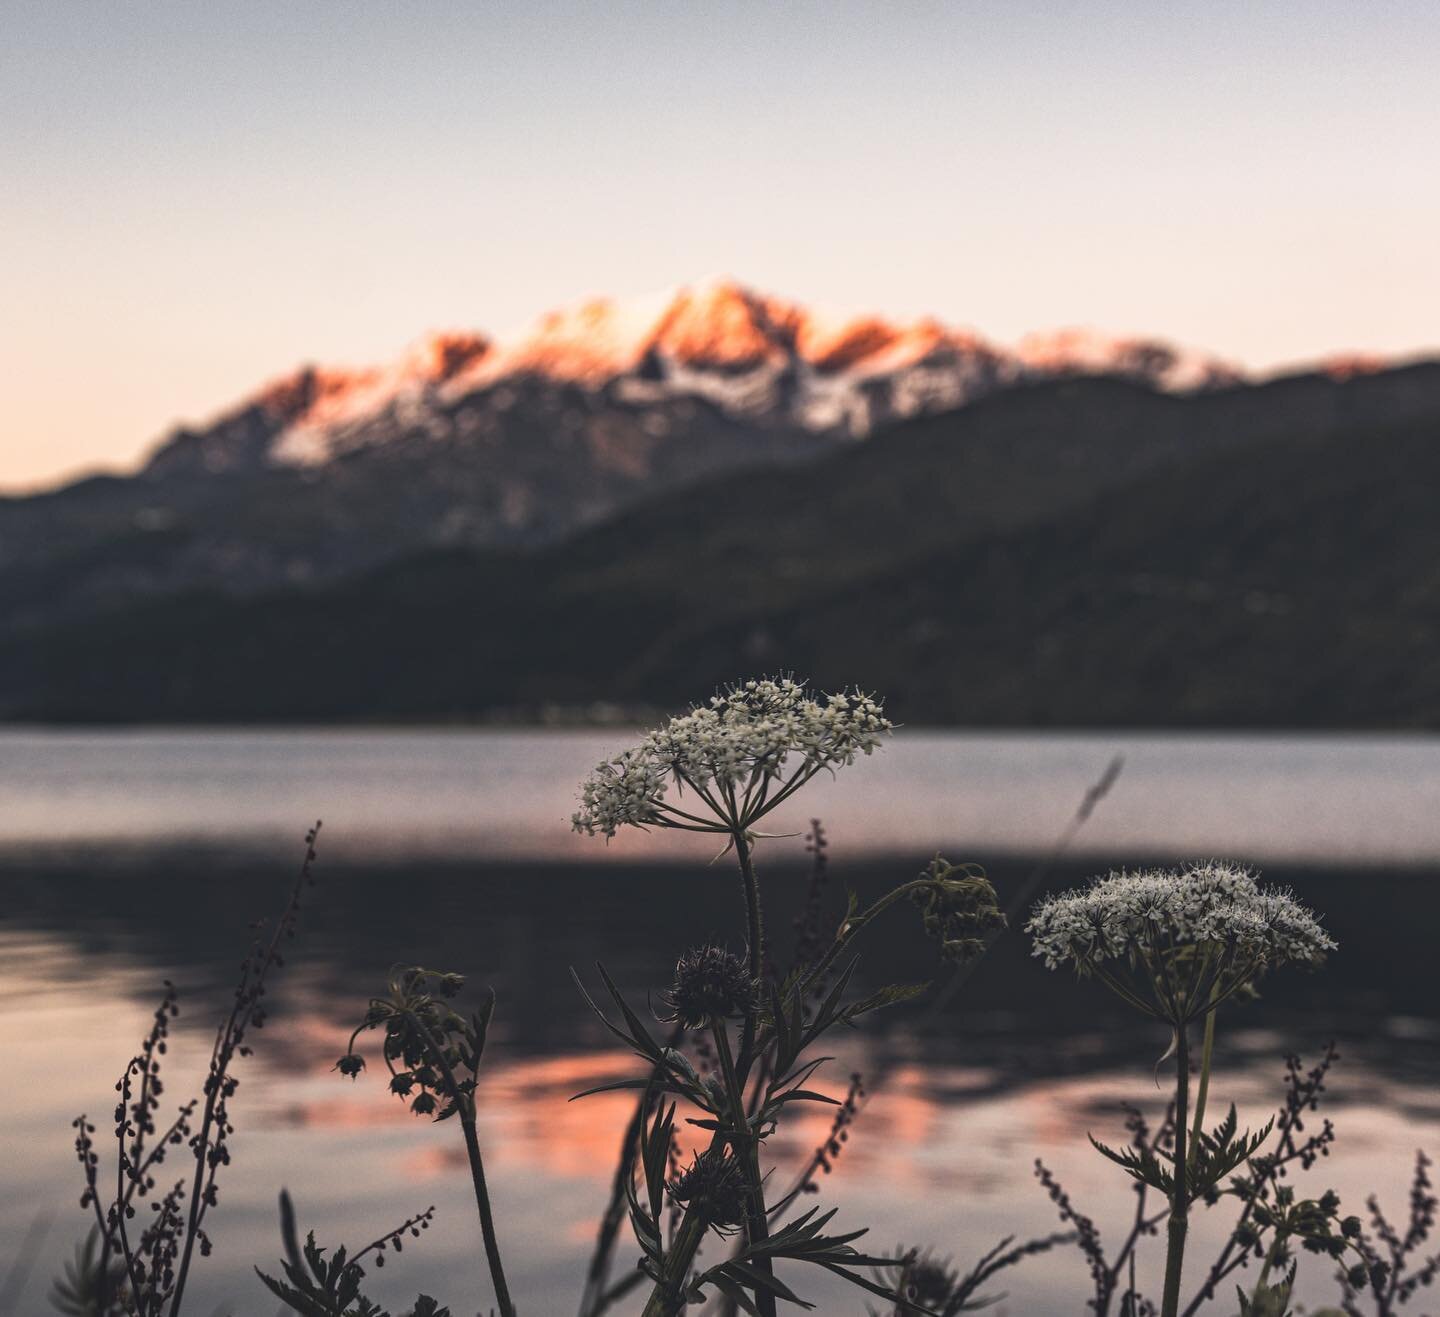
(748, 356)
(518, 442)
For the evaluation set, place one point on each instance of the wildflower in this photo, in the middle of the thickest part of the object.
(740, 755)
(1199, 934)
(350, 1064)
(713, 1186)
(710, 983)
(433, 1054)
(1175, 943)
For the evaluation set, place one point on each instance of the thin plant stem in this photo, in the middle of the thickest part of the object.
(217, 1085)
(1180, 1201)
(668, 1296)
(755, 934)
(1265, 1269)
(747, 1148)
(487, 1220)
(465, 1108)
(851, 927)
(1202, 1092)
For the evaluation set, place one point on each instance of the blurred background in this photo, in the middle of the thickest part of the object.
(403, 405)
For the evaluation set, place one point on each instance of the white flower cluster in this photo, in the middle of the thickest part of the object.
(748, 736)
(1209, 905)
(622, 790)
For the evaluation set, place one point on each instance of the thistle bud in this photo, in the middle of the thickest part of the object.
(710, 983)
(713, 1187)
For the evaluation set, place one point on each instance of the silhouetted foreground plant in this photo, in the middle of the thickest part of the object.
(319, 1287)
(1274, 1218)
(737, 1057)
(155, 1251)
(739, 757)
(88, 1283)
(1176, 944)
(1114, 1277)
(433, 1054)
(1393, 1263)
(928, 1283)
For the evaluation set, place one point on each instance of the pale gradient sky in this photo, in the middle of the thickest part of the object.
(195, 197)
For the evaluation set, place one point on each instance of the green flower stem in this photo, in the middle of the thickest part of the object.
(797, 780)
(853, 925)
(465, 1109)
(754, 931)
(1180, 1200)
(668, 1296)
(747, 1148)
(1207, 1050)
(487, 1220)
(1270, 1255)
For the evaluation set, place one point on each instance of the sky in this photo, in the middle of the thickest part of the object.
(195, 198)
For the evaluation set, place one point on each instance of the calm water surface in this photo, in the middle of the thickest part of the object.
(131, 857)
(488, 794)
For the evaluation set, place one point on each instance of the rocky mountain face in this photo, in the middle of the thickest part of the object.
(752, 357)
(512, 443)
(515, 444)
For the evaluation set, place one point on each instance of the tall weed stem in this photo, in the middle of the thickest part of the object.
(1180, 1200)
(465, 1108)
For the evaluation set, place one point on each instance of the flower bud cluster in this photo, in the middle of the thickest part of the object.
(430, 1049)
(958, 908)
(1318, 1226)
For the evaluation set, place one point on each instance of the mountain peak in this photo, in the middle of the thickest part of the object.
(761, 360)
(722, 325)
(439, 357)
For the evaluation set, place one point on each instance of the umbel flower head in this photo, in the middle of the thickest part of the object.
(710, 983)
(738, 756)
(1193, 936)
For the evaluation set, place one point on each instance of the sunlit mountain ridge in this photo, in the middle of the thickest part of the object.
(613, 455)
(755, 357)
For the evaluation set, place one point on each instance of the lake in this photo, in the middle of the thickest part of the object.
(128, 857)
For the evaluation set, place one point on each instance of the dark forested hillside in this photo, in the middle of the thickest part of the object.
(1073, 553)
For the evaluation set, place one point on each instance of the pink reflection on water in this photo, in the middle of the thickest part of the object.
(941, 1153)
